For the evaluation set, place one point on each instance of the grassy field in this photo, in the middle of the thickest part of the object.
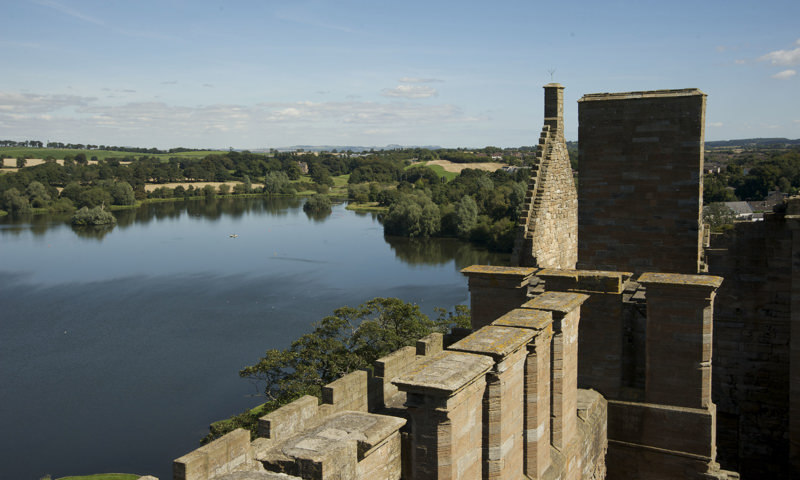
(60, 153)
(442, 172)
(104, 476)
(366, 207)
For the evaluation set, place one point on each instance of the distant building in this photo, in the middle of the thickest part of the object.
(742, 210)
(774, 197)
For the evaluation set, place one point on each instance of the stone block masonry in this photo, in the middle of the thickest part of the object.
(679, 338)
(565, 308)
(228, 454)
(537, 386)
(755, 382)
(601, 339)
(495, 291)
(504, 402)
(640, 183)
(547, 231)
(445, 404)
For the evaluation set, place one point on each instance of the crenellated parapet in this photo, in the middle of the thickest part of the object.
(500, 403)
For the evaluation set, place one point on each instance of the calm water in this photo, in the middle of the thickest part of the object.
(118, 348)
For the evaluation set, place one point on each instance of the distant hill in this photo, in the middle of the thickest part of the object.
(344, 148)
(754, 142)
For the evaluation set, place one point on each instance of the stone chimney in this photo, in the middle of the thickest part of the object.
(554, 108)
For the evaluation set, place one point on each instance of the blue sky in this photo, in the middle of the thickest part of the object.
(269, 74)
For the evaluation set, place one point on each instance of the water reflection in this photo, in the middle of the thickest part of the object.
(439, 251)
(95, 232)
(318, 217)
(210, 208)
(434, 251)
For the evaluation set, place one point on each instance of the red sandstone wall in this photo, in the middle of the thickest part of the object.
(640, 183)
(752, 330)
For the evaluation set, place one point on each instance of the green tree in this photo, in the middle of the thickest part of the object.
(37, 195)
(317, 204)
(15, 202)
(413, 216)
(466, 215)
(275, 182)
(718, 216)
(93, 216)
(350, 339)
(94, 197)
(21, 161)
(122, 194)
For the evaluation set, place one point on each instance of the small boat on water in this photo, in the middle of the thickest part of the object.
(233, 235)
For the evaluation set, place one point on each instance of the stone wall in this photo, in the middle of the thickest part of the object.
(228, 454)
(500, 403)
(640, 183)
(547, 231)
(661, 421)
(757, 307)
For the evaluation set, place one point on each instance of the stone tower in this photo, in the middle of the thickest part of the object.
(547, 231)
(640, 182)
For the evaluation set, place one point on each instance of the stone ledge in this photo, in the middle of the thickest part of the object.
(588, 402)
(257, 475)
(682, 92)
(589, 280)
(525, 318)
(493, 270)
(329, 440)
(444, 374)
(561, 302)
(680, 280)
(496, 341)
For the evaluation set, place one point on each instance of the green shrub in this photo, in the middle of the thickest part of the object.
(93, 216)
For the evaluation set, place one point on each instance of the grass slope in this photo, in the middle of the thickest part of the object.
(104, 476)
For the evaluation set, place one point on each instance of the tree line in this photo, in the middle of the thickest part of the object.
(752, 175)
(476, 205)
(81, 146)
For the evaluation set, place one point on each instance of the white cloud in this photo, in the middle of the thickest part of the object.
(88, 120)
(785, 74)
(714, 124)
(35, 103)
(739, 62)
(419, 80)
(783, 57)
(410, 91)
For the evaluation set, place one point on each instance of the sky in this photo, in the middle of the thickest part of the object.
(272, 74)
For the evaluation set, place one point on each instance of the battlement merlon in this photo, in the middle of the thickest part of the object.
(554, 108)
(495, 291)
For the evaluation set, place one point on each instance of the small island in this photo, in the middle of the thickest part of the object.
(95, 216)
